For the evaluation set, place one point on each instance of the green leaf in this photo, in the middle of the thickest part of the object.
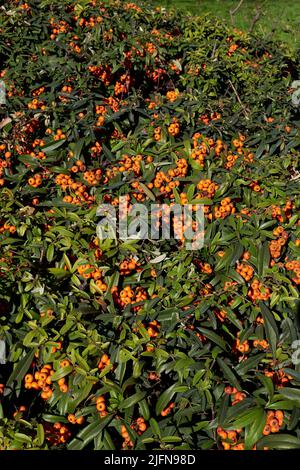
(230, 257)
(223, 409)
(291, 394)
(171, 439)
(20, 437)
(263, 259)
(144, 410)
(282, 405)
(54, 418)
(131, 401)
(83, 394)
(40, 434)
(254, 431)
(268, 384)
(50, 253)
(270, 327)
(177, 196)
(279, 441)
(147, 191)
(245, 419)
(60, 373)
(51, 147)
(20, 370)
(228, 374)
(59, 272)
(248, 364)
(155, 427)
(87, 434)
(165, 399)
(213, 337)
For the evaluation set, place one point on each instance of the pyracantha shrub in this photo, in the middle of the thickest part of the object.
(142, 344)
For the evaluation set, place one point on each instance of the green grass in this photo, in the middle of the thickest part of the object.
(279, 18)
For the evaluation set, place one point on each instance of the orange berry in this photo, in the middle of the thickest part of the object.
(101, 406)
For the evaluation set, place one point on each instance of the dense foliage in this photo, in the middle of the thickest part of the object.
(144, 344)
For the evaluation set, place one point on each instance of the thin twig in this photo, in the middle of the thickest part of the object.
(295, 177)
(255, 19)
(214, 49)
(233, 12)
(239, 99)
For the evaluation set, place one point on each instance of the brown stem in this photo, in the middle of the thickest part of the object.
(239, 99)
(234, 11)
(255, 19)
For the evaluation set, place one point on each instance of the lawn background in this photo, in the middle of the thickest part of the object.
(279, 18)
